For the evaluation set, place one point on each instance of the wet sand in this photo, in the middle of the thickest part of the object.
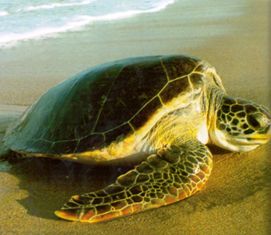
(236, 199)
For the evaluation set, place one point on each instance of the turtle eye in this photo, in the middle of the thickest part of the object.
(252, 120)
(258, 121)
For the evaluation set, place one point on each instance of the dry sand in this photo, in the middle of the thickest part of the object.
(236, 199)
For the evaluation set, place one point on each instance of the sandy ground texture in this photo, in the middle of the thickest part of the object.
(236, 199)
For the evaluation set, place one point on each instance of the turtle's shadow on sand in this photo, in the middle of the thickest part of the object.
(50, 183)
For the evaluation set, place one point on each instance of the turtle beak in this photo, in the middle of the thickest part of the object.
(260, 137)
(255, 139)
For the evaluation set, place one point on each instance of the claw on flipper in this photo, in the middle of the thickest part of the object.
(67, 215)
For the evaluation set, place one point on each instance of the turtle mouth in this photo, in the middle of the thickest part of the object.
(254, 139)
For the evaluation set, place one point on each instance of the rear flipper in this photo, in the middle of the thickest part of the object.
(164, 178)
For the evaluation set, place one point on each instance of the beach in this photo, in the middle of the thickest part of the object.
(235, 200)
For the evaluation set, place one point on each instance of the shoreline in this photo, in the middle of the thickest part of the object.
(44, 63)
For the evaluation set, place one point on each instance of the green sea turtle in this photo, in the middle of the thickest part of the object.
(166, 108)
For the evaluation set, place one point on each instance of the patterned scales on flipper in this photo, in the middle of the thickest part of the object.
(164, 178)
(100, 105)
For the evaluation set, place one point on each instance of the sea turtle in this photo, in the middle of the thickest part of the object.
(166, 108)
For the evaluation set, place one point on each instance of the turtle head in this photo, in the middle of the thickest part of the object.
(240, 125)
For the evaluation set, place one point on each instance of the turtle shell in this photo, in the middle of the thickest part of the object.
(100, 105)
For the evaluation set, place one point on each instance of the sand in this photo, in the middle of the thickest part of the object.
(236, 199)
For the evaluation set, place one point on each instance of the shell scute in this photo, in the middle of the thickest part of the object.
(178, 66)
(117, 134)
(179, 86)
(134, 86)
(67, 146)
(197, 80)
(141, 118)
(90, 142)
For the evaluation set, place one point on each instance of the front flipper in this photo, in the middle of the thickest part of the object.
(164, 178)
